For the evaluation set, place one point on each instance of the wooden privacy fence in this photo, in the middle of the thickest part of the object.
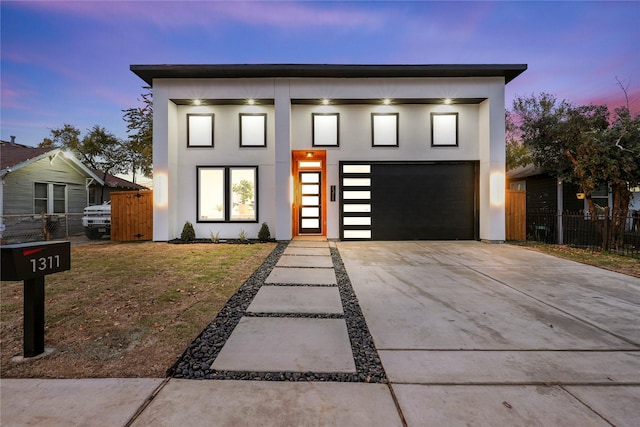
(516, 215)
(131, 215)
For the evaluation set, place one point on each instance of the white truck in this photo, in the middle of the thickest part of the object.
(96, 220)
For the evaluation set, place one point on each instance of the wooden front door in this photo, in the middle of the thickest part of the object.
(309, 204)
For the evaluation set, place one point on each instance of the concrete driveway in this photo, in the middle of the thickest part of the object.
(478, 334)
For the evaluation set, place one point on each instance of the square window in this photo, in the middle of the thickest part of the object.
(200, 130)
(444, 129)
(325, 128)
(253, 130)
(384, 129)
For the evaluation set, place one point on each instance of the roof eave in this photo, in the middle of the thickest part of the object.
(194, 71)
(73, 160)
(27, 162)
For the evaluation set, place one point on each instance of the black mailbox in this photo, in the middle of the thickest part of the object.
(30, 260)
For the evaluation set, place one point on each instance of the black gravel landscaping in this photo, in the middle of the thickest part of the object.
(195, 362)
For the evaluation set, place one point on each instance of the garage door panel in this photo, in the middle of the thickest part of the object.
(424, 201)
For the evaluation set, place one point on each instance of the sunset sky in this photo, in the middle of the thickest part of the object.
(68, 62)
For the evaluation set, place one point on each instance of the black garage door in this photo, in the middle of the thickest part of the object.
(418, 201)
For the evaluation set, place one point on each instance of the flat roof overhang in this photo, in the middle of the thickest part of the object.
(236, 71)
(333, 101)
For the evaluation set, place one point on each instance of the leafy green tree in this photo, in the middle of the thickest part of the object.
(98, 149)
(580, 144)
(517, 154)
(140, 134)
(67, 136)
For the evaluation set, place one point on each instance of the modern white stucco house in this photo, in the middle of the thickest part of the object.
(381, 152)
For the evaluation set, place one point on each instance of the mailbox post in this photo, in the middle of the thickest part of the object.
(31, 262)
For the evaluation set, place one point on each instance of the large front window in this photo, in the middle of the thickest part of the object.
(227, 193)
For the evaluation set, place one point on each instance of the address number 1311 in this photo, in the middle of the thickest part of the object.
(45, 263)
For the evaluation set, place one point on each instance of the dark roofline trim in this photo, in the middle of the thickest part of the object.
(230, 71)
(333, 101)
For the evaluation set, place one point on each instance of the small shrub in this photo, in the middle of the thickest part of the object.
(264, 234)
(215, 237)
(242, 236)
(188, 233)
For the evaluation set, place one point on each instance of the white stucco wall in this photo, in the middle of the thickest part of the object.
(225, 152)
(492, 167)
(481, 138)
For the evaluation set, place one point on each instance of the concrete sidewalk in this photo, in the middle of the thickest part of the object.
(468, 333)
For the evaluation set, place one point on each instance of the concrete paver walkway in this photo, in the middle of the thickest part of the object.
(287, 344)
(297, 299)
(468, 333)
(302, 275)
(292, 344)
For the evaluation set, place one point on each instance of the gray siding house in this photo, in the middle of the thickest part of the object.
(48, 182)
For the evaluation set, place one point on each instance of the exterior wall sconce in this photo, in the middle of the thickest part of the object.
(160, 189)
(496, 188)
(580, 196)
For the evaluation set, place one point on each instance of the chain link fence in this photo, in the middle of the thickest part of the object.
(37, 228)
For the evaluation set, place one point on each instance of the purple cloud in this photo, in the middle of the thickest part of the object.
(208, 14)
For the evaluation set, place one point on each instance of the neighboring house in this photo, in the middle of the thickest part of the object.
(379, 152)
(546, 193)
(52, 181)
(549, 199)
(100, 193)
